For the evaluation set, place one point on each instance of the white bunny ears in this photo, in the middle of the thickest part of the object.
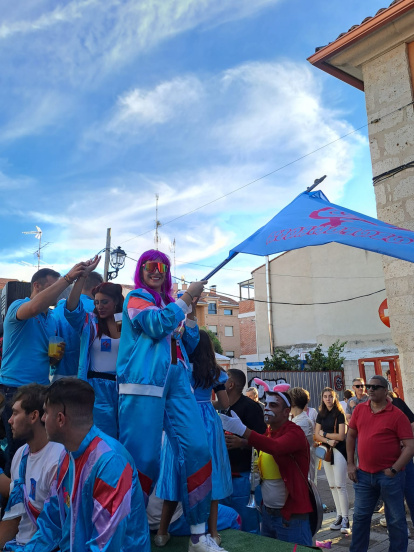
(278, 389)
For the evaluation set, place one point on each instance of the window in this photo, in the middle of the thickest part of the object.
(213, 329)
(228, 331)
(212, 308)
(229, 354)
(228, 312)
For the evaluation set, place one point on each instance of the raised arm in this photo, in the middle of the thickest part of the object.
(44, 299)
(73, 299)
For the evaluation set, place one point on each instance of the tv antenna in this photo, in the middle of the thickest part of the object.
(157, 239)
(38, 235)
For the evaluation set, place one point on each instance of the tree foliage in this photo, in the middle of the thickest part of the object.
(215, 340)
(318, 361)
(281, 361)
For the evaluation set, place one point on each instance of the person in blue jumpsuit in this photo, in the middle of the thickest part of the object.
(96, 502)
(206, 376)
(155, 392)
(100, 339)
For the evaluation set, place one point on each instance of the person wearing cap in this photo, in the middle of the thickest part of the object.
(284, 465)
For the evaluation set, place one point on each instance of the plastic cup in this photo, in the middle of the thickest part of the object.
(118, 321)
(55, 342)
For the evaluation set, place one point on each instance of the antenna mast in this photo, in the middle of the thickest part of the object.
(157, 239)
(172, 248)
(38, 235)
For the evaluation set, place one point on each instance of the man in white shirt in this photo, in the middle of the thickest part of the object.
(33, 468)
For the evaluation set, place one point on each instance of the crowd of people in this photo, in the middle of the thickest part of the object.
(110, 417)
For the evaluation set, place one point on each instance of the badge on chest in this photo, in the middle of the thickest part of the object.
(106, 345)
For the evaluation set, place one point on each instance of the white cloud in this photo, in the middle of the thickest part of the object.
(235, 127)
(32, 113)
(168, 100)
(91, 38)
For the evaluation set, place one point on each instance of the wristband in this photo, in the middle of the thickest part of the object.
(393, 470)
(69, 280)
(192, 298)
(324, 434)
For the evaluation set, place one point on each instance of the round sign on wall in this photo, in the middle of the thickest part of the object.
(338, 383)
(383, 313)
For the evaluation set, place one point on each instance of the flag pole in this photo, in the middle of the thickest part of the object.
(220, 266)
(316, 183)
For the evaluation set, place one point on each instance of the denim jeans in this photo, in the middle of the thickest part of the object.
(250, 517)
(297, 531)
(369, 488)
(409, 488)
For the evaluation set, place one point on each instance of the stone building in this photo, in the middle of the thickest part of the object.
(377, 57)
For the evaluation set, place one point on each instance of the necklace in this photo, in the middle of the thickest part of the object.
(377, 410)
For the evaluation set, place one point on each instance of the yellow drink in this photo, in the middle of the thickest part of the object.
(55, 349)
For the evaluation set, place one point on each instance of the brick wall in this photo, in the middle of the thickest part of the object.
(248, 344)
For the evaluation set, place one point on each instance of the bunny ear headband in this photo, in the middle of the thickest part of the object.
(278, 389)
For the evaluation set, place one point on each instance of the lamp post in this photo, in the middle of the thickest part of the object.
(117, 261)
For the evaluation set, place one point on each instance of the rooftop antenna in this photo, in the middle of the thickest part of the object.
(38, 235)
(157, 239)
(172, 249)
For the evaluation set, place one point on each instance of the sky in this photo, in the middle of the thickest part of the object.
(103, 105)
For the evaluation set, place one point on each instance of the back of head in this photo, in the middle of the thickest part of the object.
(153, 255)
(252, 391)
(93, 280)
(239, 378)
(76, 396)
(32, 398)
(299, 397)
(41, 275)
(348, 393)
(206, 371)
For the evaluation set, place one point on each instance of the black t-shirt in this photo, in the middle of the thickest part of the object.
(251, 414)
(328, 425)
(399, 403)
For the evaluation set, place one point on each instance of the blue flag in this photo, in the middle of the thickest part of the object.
(312, 220)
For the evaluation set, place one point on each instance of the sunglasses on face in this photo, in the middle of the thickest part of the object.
(152, 266)
(374, 387)
(359, 386)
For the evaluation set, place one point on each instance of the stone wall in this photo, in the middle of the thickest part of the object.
(388, 93)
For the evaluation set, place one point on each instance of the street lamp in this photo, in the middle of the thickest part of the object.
(117, 262)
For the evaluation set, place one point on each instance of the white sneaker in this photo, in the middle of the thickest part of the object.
(345, 529)
(205, 544)
(383, 522)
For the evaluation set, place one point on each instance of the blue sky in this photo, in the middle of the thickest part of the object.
(105, 104)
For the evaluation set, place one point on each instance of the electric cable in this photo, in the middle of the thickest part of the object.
(375, 121)
(282, 302)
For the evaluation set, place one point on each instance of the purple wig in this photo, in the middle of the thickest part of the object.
(153, 255)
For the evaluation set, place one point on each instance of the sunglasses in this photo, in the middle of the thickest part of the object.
(152, 266)
(359, 386)
(374, 387)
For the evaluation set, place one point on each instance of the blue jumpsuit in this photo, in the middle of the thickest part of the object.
(155, 394)
(222, 487)
(96, 502)
(105, 411)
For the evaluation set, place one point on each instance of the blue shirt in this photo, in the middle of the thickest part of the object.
(87, 302)
(25, 347)
(68, 366)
